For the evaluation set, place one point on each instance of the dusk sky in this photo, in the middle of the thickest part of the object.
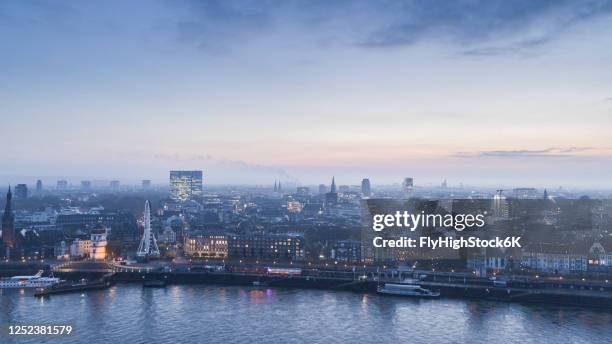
(480, 92)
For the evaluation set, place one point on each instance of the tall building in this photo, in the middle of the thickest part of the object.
(39, 187)
(146, 184)
(86, 185)
(365, 188)
(97, 250)
(21, 191)
(408, 187)
(114, 185)
(185, 185)
(62, 185)
(333, 186)
(8, 224)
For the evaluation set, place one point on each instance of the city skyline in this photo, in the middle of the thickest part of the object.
(496, 93)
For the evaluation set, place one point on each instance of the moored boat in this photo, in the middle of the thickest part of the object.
(35, 281)
(413, 290)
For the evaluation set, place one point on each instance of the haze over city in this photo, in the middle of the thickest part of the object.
(513, 93)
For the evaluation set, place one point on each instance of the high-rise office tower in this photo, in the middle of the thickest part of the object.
(39, 187)
(114, 185)
(185, 185)
(365, 188)
(21, 191)
(62, 185)
(408, 187)
(8, 224)
(85, 185)
(146, 184)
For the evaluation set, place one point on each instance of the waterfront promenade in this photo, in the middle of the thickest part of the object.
(450, 284)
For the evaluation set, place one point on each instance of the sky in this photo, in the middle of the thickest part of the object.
(475, 92)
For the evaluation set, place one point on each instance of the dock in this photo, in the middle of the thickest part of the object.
(71, 287)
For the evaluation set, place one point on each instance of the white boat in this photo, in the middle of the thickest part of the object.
(413, 290)
(36, 281)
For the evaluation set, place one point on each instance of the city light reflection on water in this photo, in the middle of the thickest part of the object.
(128, 313)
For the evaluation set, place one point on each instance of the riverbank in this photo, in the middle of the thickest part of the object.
(522, 292)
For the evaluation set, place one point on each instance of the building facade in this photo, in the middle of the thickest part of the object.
(8, 225)
(206, 244)
(347, 251)
(185, 185)
(366, 190)
(266, 247)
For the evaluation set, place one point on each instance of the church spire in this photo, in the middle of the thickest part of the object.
(9, 196)
(275, 188)
(8, 225)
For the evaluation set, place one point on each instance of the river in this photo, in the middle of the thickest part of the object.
(129, 314)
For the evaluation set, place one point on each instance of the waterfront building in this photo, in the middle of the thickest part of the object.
(80, 248)
(207, 244)
(347, 251)
(185, 185)
(555, 258)
(8, 225)
(97, 249)
(366, 190)
(21, 191)
(266, 246)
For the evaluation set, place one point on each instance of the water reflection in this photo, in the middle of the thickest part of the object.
(225, 314)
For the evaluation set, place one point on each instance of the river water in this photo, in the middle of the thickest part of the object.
(127, 313)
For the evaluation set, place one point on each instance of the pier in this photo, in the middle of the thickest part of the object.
(456, 285)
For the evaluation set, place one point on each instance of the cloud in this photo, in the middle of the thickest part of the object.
(477, 28)
(552, 152)
(228, 164)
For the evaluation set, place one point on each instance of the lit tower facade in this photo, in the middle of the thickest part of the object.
(148, 245)
(408, 187)
(366, 191)
(185, 185)
(8, 225)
